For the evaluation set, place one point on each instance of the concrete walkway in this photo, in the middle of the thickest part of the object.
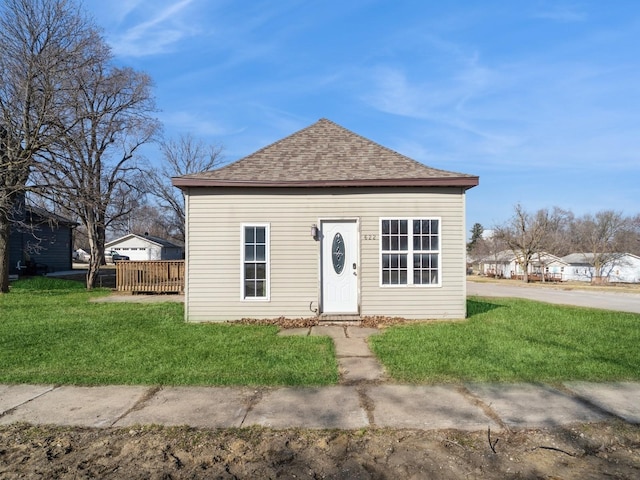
(362, 399)
(462, 407)
(356, 362)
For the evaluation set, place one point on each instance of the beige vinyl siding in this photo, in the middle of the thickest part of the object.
(214, 256)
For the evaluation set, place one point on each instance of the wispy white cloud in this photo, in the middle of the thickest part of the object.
(448, 103)
(530, 97)
(542, 109)
(156, 35)
(120, 10)
(201, 125)
(561, 12)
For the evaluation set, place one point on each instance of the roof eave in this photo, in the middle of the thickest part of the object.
(466, 182)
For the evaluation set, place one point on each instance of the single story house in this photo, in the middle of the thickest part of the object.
(499, 264)
(146, 247)
(325, 223)
(580, 267)
(618, 268)
(505, 264)
(39, 241)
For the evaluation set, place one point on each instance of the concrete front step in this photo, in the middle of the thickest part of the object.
(340, 318)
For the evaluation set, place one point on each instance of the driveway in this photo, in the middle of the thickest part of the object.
(620, 301)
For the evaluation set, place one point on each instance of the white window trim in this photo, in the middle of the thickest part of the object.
(267, 234)
(410, 252)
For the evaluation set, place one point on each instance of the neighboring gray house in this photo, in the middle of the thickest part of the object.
(499, 264)
(580, 267)
(618, 268)
(39, 242)
(146, 247)
(325, 222)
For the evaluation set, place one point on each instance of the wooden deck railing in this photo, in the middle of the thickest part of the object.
(150, 276)
(536, 277)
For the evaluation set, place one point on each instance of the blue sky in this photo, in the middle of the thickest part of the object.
(540, 99)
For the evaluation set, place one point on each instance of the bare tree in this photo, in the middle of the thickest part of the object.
(628, 239)
(181, 156)
(527, 234)
(95, 172)
(145, 218)
(601, 238)
(41, 41)
(559, 240)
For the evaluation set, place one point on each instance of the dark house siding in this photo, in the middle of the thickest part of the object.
(172, 253)
(44, 241)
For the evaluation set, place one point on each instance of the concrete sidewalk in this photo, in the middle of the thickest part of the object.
(464, 407)
(364, 398)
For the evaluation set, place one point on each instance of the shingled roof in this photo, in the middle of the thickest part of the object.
(325, 155)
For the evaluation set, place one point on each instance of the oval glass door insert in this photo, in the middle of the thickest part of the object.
(337, 253)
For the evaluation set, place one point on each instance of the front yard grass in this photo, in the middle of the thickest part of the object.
(51, 333)
(513, 340)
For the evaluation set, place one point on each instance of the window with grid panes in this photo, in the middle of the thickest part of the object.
(255, 261)
(410, 251)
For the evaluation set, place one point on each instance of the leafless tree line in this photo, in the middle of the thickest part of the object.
(603, 236)
(71, 127)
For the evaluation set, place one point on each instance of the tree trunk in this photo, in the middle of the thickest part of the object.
(96, 235)
(4, 253)
(93, 270)
(597, 271)
(525, 272)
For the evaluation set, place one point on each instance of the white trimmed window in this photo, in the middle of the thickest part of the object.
(410, 251)
(255, 262)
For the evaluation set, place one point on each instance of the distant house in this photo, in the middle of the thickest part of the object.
(618, 267)
(580, 267)
(146, 247)
(39, 242)
(626, 269)
(325, 223)
(505, 264)
(499, 264)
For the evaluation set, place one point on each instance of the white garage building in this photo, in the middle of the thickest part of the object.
(146, 247)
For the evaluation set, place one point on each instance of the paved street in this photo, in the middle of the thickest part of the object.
(620, 301)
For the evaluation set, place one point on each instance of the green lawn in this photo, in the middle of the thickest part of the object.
(512, 340)
(51, 333)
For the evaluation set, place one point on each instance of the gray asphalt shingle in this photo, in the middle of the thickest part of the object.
(325, 154)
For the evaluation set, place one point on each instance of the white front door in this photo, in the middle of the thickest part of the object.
(339, 265)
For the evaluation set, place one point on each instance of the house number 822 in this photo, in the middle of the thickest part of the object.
(370, 237)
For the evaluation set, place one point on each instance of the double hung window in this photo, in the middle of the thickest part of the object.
(410, 251)
(255, 262)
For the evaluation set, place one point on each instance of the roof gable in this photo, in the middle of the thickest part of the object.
(589, 258)
(508, 256)
(161, 242)
(325, 154)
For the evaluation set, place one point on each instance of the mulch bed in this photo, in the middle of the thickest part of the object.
(283, 322)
